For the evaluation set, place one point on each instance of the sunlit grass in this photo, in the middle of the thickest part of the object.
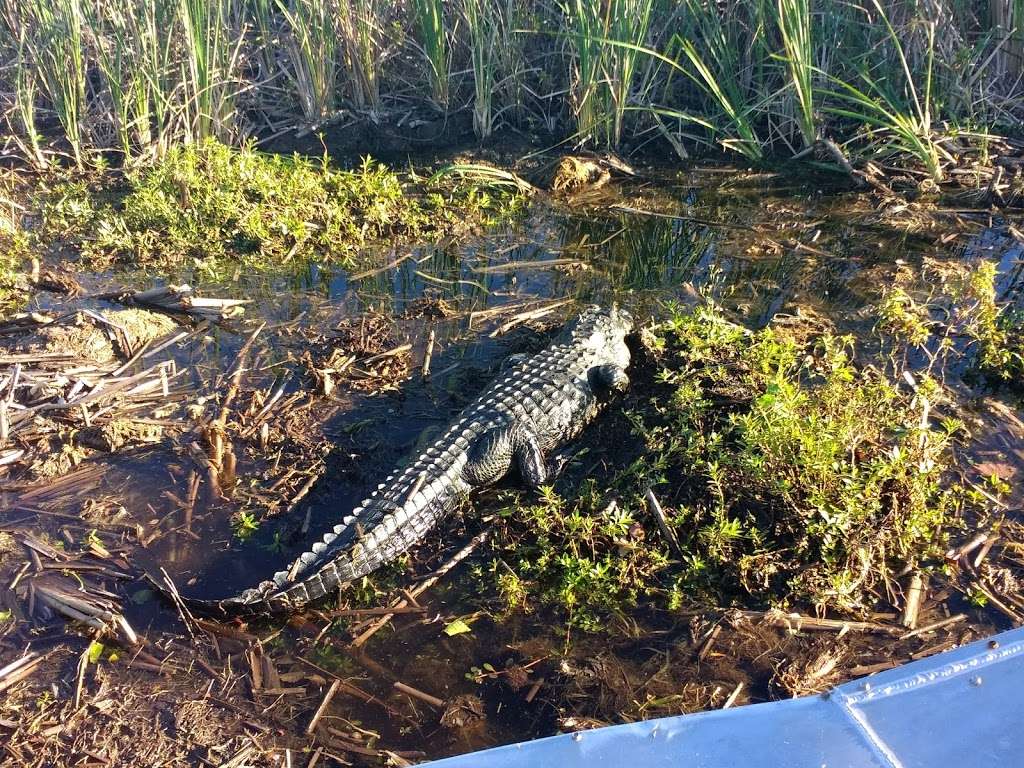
(753, 78)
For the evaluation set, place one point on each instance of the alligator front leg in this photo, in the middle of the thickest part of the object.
(492, 454)
(608, 378)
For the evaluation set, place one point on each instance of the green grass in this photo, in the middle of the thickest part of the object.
(795, 24)
(994, 328)
(485, 24)
(15, 250)
(12, 257)
(207, 203)
(608, 41)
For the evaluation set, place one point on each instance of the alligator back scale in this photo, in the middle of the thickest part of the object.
(534, 407)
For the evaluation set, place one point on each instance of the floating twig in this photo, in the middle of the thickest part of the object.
(947, 622)
(418, 694)
(428, 354)
(663, 523)
(733, 696)
(794, 622)
(323, 706)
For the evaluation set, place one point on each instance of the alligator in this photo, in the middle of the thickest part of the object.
(535, 406)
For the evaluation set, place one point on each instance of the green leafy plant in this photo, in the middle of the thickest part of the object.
(245, 524)
(802, 498)
(901, 119)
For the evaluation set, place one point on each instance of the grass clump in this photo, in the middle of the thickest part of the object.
(11, 259)
(210, 201)
(804, 479)
(14, 254)
(204, 204)
(587, 556)
(996, 329)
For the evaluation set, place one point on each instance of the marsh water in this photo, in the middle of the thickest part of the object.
(766, 247)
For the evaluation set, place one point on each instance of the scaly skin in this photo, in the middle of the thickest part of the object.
(531, 409)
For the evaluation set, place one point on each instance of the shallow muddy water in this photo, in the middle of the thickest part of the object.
(761, 246)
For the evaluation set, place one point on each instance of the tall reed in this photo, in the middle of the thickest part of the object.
(360, 26)
(901, 118)
(607, 38)
(154, 29)
(25, 132)
(795, 29)
(50, 33)
(484, 22)
(428, 16)
(755, 77)
(312, 47)
(118, 42)
(212, 45)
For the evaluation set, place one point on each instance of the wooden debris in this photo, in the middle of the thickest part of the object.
(912, 603)
(733, 696)
(323, 706)
(19, 669)
(663, 523)
(525, 317)
(181, 299)
(794, 622)
(428, 354)
(418, 694)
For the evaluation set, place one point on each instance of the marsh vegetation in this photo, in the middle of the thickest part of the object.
(812, 208)
(125, 81)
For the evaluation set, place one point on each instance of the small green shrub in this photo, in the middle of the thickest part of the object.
(963, 317)
(14, 253)
(997, 330)
(588, 557)
(804, 478)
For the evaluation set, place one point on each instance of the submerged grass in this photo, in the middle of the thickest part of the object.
(779, 490)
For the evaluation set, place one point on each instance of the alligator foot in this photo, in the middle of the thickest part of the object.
(494, 452)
